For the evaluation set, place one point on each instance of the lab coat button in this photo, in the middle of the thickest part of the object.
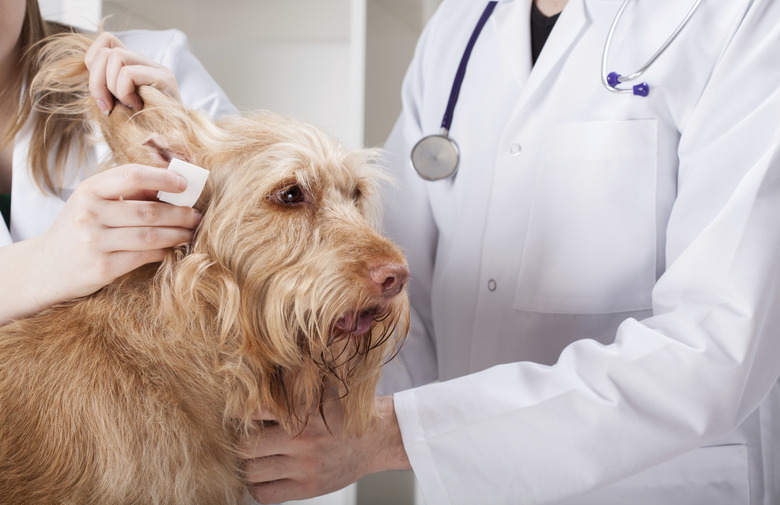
(492, 285)
(515, 149)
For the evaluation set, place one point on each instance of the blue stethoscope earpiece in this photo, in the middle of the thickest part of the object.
(641, 89)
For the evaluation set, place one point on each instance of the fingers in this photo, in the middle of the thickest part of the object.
(273, 441)
(124, 81)
(278, 491)
(279, 466)
(120, 262)
(115, 215)
(116, 79)
(133, 182)
(275, 479)
(134, 213)
(96, 60)
(111, 225)
(271, 474)
(116, 72)
(139, 246)
(268, 469)
(143, 238)
(102, 41)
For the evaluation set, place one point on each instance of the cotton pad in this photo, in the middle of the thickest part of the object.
(196, 181)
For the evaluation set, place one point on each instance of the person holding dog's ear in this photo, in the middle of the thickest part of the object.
(65, 236)
(597, 285)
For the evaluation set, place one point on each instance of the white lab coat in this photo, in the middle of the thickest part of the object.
(598, 287)
(32, 211)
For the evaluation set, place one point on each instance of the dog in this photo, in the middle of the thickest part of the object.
(138, 393)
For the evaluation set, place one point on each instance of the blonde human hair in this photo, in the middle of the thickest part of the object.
(51, 134)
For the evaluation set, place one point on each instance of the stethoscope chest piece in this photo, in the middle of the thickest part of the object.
(435, 157)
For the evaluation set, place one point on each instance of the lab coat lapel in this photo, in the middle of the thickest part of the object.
(512, 22)
(568, 28)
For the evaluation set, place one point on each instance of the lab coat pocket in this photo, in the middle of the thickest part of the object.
(591, 240)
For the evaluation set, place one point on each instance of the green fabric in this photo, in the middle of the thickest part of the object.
(5, 208)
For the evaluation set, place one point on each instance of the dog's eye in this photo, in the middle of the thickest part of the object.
(356, 195)
(291, 195)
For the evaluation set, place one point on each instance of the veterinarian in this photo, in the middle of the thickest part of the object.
(597, 286)
(63, 236)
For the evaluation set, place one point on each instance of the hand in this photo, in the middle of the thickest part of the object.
(110, 225)
(280, 467)
(115, 71)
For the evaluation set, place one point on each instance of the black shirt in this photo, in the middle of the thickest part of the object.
(5, 208)
(541, 26)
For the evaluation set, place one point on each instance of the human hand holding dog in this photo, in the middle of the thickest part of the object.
(111, 224)
(116, 72)
(280, 467)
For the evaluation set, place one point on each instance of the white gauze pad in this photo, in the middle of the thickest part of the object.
(196, 181)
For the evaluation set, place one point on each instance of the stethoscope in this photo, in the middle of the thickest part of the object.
(436, 157)
(611, 80)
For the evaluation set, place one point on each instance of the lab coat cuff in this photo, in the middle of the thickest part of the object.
(417, 448)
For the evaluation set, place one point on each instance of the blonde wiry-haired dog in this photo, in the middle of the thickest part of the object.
(136, 394)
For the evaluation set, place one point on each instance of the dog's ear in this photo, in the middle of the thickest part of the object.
(162, 130)
(161, 152)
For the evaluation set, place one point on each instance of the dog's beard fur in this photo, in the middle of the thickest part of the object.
(137, 393)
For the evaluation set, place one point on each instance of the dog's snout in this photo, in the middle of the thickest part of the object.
(390, 278)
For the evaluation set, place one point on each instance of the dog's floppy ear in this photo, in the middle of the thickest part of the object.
(161, 153)
(162, 130)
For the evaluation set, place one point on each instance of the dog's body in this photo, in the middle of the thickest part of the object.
(136, 394)
(102, 403)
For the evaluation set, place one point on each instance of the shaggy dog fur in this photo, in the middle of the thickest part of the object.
(137, 393)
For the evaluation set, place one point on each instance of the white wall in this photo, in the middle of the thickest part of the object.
(264, 53)
(82, 13)
(336, 63)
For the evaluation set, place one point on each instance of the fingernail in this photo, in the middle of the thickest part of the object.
(198, 218)
(181, 182)
(103, 107)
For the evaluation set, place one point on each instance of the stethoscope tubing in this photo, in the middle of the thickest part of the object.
(638, 73)
(437, 156)
(446, 121)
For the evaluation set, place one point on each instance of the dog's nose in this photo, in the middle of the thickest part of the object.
(391, 278)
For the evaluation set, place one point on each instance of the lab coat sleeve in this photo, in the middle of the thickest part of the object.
(526, 433)
(408, 219)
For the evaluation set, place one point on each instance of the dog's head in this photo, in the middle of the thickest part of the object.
(286, 269)
(287, 264)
